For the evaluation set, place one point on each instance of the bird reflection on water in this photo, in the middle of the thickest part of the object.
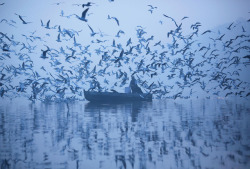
(158, 134)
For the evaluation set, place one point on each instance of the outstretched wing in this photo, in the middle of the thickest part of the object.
(84, 13)
(171, 19)
(91, 29)
(21, 18)
(117, 21)
(48, 24)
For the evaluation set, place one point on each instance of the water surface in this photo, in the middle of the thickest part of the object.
(209, 133)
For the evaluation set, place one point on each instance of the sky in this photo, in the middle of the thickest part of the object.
(130, 14)
(211, 13)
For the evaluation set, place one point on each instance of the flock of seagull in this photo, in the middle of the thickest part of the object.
(211, 62)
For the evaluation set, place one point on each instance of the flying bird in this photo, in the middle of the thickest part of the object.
(92, 32)
(171, 19)
(185, 17)
(58, 38)
(117, 21)
(151, 8)
(87, 4)
(220, 38)
(229, 27)
(44, 53)
(243, 29)
(208, 31)
(24, 22)
(47, 25)
(83, 17)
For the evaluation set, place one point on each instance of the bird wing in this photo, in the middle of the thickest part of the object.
(171, 19)
(48, 23)
(84, 13)
(21, 18)
(150, 6)
(91, 29)
(230, 26)
(117, 21)
(41, 22)
(185, 17)
(121, 53)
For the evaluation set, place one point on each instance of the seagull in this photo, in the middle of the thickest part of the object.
(87, 4)
(58, 38)
(129, 42)
(5, 48)
(208, 31)
(118, 33)
(42, 23)
(243, 29)
(83, 17)
(24, 22)
(44, 52)
(92, 32)
(171, 19)
(220, 38)
(117, 21)
(229, 27)
(151, 8)
(47, 25)
(185, 17)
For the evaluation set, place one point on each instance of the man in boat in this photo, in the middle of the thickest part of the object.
(95, 84)
(134, 87)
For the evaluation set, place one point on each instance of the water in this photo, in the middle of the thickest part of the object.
(210, 133)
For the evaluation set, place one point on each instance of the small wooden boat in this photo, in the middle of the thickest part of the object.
(93, 96)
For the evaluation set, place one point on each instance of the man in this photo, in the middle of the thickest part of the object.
(134, 87)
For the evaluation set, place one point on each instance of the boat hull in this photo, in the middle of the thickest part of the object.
(116, 97)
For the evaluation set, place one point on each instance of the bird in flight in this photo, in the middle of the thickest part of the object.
(58, 38)
(151, 8)
(83, 17)
(44, 53)
(117, 21)
(229, 27)
(20, 17)
(171, 19)
(92, 32)
(207, 31)
(185, 17)
(87, 4)
(47, 26)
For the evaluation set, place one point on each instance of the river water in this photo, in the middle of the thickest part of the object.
(208, 133)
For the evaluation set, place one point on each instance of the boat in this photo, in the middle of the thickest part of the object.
(94, 96)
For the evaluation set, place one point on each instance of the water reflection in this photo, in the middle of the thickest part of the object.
(158, 134)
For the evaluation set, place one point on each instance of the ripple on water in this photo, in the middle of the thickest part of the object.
(159, 134)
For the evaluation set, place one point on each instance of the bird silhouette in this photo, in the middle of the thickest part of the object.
(171, 19)
(24, 22)
(83, 17)
(117, 21)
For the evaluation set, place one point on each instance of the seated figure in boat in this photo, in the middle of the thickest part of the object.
(134, 87)
(95, 85)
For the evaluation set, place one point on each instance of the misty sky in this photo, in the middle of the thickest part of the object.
(210, 13)
(130, 13)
